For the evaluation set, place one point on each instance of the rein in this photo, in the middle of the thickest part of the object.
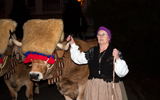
(59, 65)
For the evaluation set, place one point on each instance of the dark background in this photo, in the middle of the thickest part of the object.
(134, 25)
(135, 31)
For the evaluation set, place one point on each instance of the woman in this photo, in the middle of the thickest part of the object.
(100, 61)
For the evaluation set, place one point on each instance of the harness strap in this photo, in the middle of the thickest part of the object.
(60, 65)
(11, 71)
(13, 62)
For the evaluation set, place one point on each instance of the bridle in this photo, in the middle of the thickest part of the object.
(58, 65)
(49, 66)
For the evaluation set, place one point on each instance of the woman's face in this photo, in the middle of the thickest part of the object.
(102, 37)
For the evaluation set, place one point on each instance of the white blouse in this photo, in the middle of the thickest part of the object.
(121, 68)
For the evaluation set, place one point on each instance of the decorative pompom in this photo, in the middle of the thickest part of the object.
(1, 61)
(36, 56)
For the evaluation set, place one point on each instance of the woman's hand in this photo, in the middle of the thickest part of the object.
(71, 41)
(115, 53)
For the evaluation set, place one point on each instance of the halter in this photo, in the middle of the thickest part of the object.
(49, 66)
(58, 60)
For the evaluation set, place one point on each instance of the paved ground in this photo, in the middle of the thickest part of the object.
(51, 92)
(132, 90)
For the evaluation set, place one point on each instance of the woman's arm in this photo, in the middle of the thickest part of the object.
(121, 68)
(77, 56)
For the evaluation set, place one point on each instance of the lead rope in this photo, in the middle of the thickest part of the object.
(113, 78)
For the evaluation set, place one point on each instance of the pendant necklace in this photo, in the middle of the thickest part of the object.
(100, 59)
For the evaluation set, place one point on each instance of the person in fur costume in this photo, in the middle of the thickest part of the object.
(101, 84)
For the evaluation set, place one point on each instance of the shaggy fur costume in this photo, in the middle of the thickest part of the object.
(5, 26)
(42, 35)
